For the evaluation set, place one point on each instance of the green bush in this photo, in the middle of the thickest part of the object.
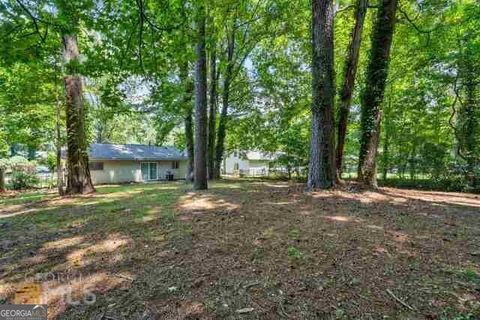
(23, 180)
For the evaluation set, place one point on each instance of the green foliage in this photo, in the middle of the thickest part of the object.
(471, 275)
(21, 180)
(138, 72)
(294, 253)
(450, 314)
(50, 161)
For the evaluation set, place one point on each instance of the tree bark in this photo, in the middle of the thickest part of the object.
(2, 179)
(469, 125)
(212, 121)
(188, 119)
(222, 125)
(200, 162)
(189, 144)
(350, 71)
(78, 177)
(321, 173)
(372, 97)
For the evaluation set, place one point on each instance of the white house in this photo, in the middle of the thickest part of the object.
(251, 163)
(116, 163)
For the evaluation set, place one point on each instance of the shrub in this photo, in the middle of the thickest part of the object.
(23, 180)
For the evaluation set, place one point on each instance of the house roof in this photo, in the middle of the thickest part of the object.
(260, 155)
(103, 151)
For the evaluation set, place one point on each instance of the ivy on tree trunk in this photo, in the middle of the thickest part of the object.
(78, 173)
(350, 70)
(373, 93)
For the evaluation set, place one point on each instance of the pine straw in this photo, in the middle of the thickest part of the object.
(269, 250)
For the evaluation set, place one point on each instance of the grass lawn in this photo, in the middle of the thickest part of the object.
(243, 250)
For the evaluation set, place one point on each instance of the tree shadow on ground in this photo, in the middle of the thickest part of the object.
(259, 250)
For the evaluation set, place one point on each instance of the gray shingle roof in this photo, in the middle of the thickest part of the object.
(102, 151)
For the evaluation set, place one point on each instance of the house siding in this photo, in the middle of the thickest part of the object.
(229, 164)
(120, 171)
(250, 167)
(258, 167)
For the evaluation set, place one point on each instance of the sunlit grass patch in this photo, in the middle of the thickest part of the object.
(25, 197)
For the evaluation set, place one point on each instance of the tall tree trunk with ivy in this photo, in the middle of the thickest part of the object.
(350, 71)
(373, 93)
(222, 125)
(321, 172)
(468, 123)
(212, 113)
(78, 173)
(200, 162)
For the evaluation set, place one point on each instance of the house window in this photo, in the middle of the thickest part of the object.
(175, 164)
(236, 166)
(235, 154)
(95, 166)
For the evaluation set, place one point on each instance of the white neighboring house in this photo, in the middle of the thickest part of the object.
(250, 163)
(117, 163)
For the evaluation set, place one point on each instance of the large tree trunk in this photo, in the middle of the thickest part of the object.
(78, 177)
(58, 147)
(212, 114)
(372, 97)
(350, 70)
(200, 163)
(321, 172)
(222, 125)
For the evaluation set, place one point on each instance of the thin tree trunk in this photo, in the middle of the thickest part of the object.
(222, 125)
(78, 178)
(58, 147)
(212, 114)
(387, 138)
(188, 119)
(200, 162)
(350, 70)
(468, 123)
(2, 179)
(190, 145)
(372, 97)
(386, 155)
(321, 173)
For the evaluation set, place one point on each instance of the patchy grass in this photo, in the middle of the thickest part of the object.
(243, 250)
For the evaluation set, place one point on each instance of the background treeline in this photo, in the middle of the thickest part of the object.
(140, 62)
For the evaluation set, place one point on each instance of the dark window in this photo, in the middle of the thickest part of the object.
(95, 166)
(236, 166)
(175, 164)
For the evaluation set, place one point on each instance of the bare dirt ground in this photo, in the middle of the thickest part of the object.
(246, 250)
